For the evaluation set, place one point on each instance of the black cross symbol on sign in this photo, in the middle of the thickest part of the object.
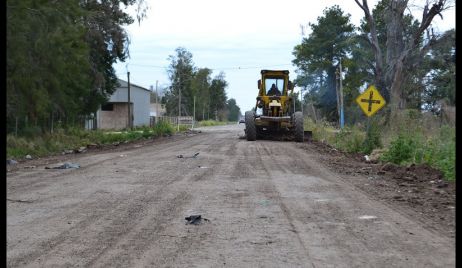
(370, 100)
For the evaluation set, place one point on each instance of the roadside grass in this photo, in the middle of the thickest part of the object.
(208, 123)
(410, 138)
(74, 138)
(438, 151)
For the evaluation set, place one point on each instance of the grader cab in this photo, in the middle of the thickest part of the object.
(274, 110)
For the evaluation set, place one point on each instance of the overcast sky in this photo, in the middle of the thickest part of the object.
(238, 37)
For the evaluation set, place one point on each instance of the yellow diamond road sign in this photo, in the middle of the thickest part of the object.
(370, 101)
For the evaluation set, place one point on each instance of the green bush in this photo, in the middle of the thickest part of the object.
(373, 137)
(402, 149)
(438, 152)
(163, 128)
(350, 139)
(441, 152)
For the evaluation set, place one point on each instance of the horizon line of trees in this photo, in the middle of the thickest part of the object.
(194, 87)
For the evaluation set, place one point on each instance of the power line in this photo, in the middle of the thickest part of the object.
(218, 68)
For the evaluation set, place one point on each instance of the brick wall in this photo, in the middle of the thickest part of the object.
(116, 119)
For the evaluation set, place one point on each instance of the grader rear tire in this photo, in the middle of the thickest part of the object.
(250, 128)
(298, 129)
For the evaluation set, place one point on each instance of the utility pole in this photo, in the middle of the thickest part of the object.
(194, 112)
(128, 102)
(157, 110)
(341, 94)
(179, 105)
(295, 100)
(301, 99)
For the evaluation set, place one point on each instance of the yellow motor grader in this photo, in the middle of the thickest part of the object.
(274, 111)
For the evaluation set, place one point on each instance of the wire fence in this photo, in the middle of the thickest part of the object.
(174, 120)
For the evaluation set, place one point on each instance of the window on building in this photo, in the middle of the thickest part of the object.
(107, 107)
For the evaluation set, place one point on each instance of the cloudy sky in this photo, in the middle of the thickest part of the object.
(238, 37)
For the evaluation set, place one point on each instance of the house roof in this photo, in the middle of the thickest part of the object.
(124, 84)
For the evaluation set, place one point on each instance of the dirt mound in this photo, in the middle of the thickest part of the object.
(418, 190)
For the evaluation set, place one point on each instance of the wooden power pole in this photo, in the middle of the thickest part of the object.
(128, 102)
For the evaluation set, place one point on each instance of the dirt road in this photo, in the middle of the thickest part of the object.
(269, 204)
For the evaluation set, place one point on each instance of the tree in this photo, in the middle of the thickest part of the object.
(44, 47)
(234, 112)
(218, 97)
(438, 81)
(201, 88)
(404, 49)
(60, 56)
(318, 55)
(180, 72)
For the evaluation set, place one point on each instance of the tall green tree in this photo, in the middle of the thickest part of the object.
(201, 88)
(181, 73)
(233, 110)
(60, 56)
(439, 66)
(318, 55)
(47, 59)
(218, 97)
(196, 87)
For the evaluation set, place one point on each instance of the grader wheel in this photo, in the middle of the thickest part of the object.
(298, 129)
(250, 128)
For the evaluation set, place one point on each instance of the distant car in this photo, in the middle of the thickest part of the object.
(241, 120)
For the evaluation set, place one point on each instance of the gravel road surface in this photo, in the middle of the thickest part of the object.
(269, 204)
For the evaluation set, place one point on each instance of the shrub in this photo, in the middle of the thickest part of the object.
(373, 137)
(163, 128)
(440, 152)
(401, 150)
(350, 139)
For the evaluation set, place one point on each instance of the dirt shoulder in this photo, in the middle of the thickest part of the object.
(416, 190)
(95, 149)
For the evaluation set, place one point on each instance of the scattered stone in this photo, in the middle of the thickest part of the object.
(26, 167)
(375, 154)
(66, 165)
(182, 156)
(68, 152)
(443, 185)
(11, 162)
(19, 201)
(81, 150)
(28, 156)
(388, 167)
(195, 219)
(367, 217)
(92, 145)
